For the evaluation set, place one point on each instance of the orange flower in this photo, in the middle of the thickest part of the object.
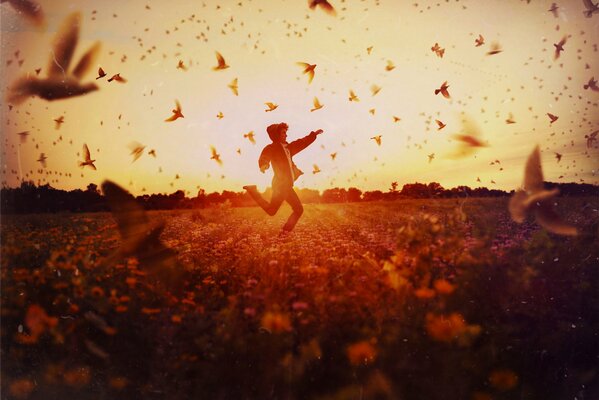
(21, 388)
(37, 321)
(503, 379)
(97, 291)
(77, 377)
(424, 293)
(176, 319)
(443, 287)
(147, 310)
(445, 328)
(276, 322)
(118, 382)
(361, 353)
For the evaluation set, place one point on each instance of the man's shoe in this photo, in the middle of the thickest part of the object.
(250, 188)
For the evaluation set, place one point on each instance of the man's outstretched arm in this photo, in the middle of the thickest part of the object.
(298, 145)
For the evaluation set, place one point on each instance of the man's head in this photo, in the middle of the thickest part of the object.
(278, 132)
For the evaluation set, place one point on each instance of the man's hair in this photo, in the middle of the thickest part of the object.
(274, 129)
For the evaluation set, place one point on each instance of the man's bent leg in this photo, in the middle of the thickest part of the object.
(275, 201)
(295, 203)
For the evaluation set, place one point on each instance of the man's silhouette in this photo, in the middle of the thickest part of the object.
(279, 153)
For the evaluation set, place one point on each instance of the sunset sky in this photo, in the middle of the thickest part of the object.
(262, 41)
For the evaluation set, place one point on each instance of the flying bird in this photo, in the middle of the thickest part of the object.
(233, 87)
(59, 121)
(558, 156)
(221, 62)
(118, 78)
(23, 136)
(324, 5)
(181, 65)
(250, 137)
(390, 66)
(42, 160)
(271, 106)
(591, 8)
(29, 9)
(559, 47)
(137, 150)
(468, 140)
(495, 49)
(532, 197)
(140, 238)
(554, 9)
(510, 119)
(591, 84)
(61, 82)
(220, 115)
(479, 41)
(377, 139)
(374, 89)
(333, 156)
(101, 73)
(552, 117)
(396, 119)
(308, 69)
(176, 112)
(352, 96)
(591, 138)
(87, 160)
(317, 105)
(440, 124)
(443, 90)
(152, 153)
(315, 169)
(431, 157)
(215, 156)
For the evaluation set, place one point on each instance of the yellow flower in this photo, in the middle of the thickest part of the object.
(361, 353)
(503, 379)
(276, 322)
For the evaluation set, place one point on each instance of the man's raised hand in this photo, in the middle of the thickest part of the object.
(318, 132)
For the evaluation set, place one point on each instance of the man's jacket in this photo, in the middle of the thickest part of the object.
(286, 172)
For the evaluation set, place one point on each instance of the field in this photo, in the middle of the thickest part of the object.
(419, 299)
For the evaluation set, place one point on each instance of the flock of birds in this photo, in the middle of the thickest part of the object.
(63, 81)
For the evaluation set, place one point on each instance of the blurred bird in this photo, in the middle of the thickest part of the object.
(181, 65)
(42, 160)
(176, 112)
(271, 106)
(558, 157)
(315, 169)
(554, 9)
(221, 62)
(29, 9)
(495, 49)
(431, 157)
(215, 156)
(443, 90)
(591, 138)
(233, 87)
(479, 41)
(352, 96)
(140, 238)
(333, 156)
(532, 197)
(101, 73)
(23, 136)
(374, 89)
(559, 47)
(468, 140)
(369, 49)
(250, 137)
(220, 115)
(440, 124)
(324, 5)
(87, 158)
(118, 78)
(396, 119)
(59, 121)
(390, 66)
(552, 117)
(510, 119)
(377, 139)
(137, 150)
(372, 111)
(60, 83)
(308, 69)
(317, 105)
(591, 84)
(152, 153)
(591, 8)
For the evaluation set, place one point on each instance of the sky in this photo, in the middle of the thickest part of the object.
(262, 42)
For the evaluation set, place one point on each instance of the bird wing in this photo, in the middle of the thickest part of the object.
(30, 9)
(533, 173)
(171, 118)
(177, 105)
(548, 219)
(87, 61)
(65, 42)
(220, 59)
(517, 206)
(130, 217)
(86, 154)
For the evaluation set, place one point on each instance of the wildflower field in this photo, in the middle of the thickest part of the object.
(414, 299)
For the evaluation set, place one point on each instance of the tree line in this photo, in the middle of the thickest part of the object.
(29, 198)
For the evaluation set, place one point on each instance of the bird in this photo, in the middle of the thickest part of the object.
(101, 73)
(315, 169)
(495, 49)
(324, 5)
(396, 119)
(558, 156)
(152, 153)
(176, 112)
(591, 138)
(468, 139)
(438, 50)
(559, 47)
(271, 106)
(233, 87)
(250, 137)
(215, 156)
(137, 150)
(510, 119)
(23, 136)
(220, 115)
(369, 49)
(118, 78)
(552, 117)
(554, 9)
(333, 156)
(181, 65)
(374, 89)
(308, 69)
(479, 41)
(390, 66)
(532, 197)
(42, 160)
(591, 8)
(61, 82)
(59, 121)
(431, 157)
(440, 124)
(29, 9)
(317, 105)
(140, 238)
(377, 139)
(352, 96)
(221, 62)
(87, 158)
(372, 111)
(591, 84)
(443, 90)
